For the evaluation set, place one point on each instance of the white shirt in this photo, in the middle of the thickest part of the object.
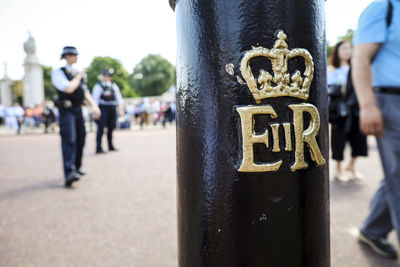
(19, 111)
(58, 78)
(338, 76)
(98, 90)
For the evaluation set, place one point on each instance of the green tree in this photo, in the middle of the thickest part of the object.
(49, 89)
(348, 36)
(120, 75)
(152, 76)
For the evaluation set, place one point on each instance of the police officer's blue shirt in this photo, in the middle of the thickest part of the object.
(372, 28)
(58, 78)
(98, 90)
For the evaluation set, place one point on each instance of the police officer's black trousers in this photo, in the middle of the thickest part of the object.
(72, 131)
(108, 119)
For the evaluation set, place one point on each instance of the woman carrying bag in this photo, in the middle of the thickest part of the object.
(344, 114)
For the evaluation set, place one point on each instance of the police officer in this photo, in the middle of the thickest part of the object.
(71, 93)
(108, 96)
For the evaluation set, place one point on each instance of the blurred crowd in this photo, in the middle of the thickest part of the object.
(44, 118)
(149, 112)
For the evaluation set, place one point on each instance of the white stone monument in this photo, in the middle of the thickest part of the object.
(6, 95)
(33, 88)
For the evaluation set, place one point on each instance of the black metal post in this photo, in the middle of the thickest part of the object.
(252, 133)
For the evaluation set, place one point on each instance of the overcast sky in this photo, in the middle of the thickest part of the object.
(124, 29)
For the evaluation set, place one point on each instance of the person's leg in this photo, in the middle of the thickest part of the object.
(378, 223)
(46, 125)
(338, 142)
(385, 210)
(338, 167)
(7, 123)
(351, 164)
(146, 118)
(389, 150)
(164, 120)
(359, 146)
(112, 120)
(100, 129)
(19, 126)
(80, 140)
(68, 140)
(142, 119)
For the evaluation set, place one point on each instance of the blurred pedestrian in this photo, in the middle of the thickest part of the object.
(28, 117)
(37, 115)
(19, 114)
(377, 83)
(167, 114)
(156, 111)
(1, 114)
(10, 116)
(173, 109)
(145, 111)
(48, 116)
(108, 96)
(138, 110)
(130, 111)
(344, 118)
(71, 92)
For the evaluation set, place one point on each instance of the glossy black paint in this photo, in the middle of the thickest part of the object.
(227, 218)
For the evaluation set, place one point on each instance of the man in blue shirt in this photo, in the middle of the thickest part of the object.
(71, 91)
(376, 79)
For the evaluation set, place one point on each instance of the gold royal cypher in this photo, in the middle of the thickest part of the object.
(278, 85)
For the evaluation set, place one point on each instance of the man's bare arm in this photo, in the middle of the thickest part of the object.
(371, 122)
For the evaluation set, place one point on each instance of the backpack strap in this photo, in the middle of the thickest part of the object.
(67, 73)
(389, 14)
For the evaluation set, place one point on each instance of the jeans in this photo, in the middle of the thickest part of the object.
(384, 214)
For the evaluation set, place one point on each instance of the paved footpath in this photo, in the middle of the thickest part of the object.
(123, 212)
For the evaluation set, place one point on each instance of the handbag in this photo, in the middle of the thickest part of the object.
(334, 90)
(338, 107)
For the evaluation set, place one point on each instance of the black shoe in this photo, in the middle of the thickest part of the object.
(81, 171)
(71, 178)
(380, 246)
(100, 151)
(112, 149)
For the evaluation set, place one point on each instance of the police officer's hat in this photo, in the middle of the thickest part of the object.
(69, 50)
(107, 72)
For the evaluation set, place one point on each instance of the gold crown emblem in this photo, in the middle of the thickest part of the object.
(281, 83)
